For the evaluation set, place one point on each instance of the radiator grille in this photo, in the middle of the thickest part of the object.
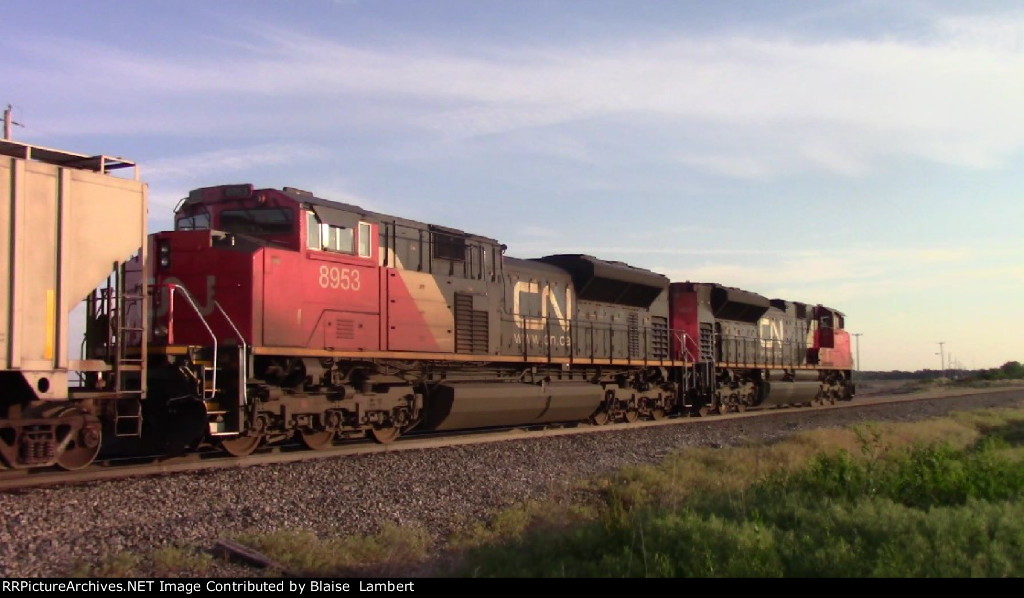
(470, 326)
(707, 342)
(659, 338)
(633, 321)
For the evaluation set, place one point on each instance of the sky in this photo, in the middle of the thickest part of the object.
(865, 155)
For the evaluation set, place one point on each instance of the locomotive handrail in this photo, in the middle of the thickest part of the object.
(696, 365)
(243, 396)
(761, 351)
(172, 287)
(688, 356)
(243, 359)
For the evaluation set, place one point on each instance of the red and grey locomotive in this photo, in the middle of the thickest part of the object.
(324, 320)
(272, 314)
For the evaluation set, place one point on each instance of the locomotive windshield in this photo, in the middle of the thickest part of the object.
(259, 221)
(200, 221)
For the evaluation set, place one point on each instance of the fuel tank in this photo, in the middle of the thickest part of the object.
(490, 404)
(803, 389)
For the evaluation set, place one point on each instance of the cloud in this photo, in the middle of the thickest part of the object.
(229, 160)
(736, 164)
(843, 106)
(838, 275)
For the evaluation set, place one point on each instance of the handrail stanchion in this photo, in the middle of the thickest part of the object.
(243, 365)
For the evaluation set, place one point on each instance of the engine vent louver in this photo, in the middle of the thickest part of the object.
(659, 337)
(707, 342)
(471, 326)
(344, 329)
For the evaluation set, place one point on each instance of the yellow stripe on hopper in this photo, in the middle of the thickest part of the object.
(49, 323)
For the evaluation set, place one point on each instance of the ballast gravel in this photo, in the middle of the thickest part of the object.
(53, 532)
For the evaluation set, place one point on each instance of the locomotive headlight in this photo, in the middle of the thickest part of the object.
(163, 250)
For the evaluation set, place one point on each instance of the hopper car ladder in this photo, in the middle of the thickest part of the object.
(128, 414)
(110, 309)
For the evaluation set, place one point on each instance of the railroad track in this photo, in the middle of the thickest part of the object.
(116, 468)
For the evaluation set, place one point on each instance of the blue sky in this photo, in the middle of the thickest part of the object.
(867, 155)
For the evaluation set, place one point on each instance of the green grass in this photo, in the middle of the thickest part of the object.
(387, 553)
(939, 498)
(165, 562)
(933, 499)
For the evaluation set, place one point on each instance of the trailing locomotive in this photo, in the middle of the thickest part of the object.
(272, 314)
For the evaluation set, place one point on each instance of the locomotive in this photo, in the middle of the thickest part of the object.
(272, 314)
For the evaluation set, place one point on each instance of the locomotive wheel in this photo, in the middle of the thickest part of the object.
(241, 446)
(83, 447)
(385, 435)
(741, 407)
(600, 418)
(316, 440)
(77, 458)
(658, 414)
(631, 415)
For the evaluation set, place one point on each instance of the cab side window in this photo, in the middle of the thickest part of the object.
(337, 238)
(364, 239)
(312, 231)
(342, 239)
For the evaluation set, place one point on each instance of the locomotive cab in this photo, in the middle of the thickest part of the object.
(236, 209)
(830, 342)
(277, 284)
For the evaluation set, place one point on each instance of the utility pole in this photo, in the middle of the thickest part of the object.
(857, 336)
(942, 357)
(8, 113)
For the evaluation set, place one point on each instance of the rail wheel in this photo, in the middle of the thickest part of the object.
(741, 407)
(385, 435)
(316, 439)
(600, 418)
(241, 446)
(631, 415)
(657, 414)
(84, 444)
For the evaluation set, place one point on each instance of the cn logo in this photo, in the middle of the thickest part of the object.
(526, 294)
